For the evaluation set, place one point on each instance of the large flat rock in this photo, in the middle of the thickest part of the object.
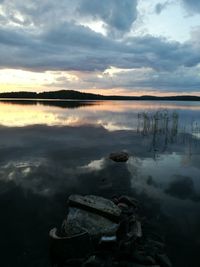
(97, 205)
(79, 220)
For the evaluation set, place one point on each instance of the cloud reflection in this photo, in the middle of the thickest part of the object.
(41, 165)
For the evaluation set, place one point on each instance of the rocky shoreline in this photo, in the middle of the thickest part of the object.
(103, 233)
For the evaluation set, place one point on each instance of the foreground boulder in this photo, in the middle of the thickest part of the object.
(97, 205)
(106, 233)
(79, 221)
(73, 246)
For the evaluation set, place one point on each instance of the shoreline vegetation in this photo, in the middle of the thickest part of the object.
(76, 95)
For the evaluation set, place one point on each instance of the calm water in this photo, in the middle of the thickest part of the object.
(49, 150)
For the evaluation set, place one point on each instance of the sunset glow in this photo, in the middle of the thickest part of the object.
(100, 133)
(13, 114)
(124, 51)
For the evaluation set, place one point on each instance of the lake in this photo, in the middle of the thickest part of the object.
(51, 149)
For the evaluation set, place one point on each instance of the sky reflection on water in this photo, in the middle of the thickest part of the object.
(50, 151)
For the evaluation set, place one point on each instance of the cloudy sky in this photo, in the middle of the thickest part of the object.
(110, 46)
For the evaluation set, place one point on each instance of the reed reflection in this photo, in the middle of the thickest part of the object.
(163, 128)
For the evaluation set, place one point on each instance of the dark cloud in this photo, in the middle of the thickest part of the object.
(74, 47)
(37, 13)
(46, 36)
(192, 6)
(178, 80)
(118, 15)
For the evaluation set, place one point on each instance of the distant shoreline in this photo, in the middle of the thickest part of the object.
(70, 95)
(87, 100)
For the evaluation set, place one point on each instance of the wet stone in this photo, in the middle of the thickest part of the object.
(86, 221)
(93, 261)
(73, 263)
(163, 260)
(75, 246)
(97, 205)
(133, 264)
(129, 201)
(141, 257)
(119, 156)
(137, 229)
(123, 206)
(157, 244)
(101, 232)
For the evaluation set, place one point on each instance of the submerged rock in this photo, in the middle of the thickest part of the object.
(119, 156)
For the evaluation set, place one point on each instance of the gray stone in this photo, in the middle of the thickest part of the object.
(137, 229)
(119, 156)
(157, 244)
(163, 260)
(73, 246)
(143, 265)
(142, 258)
(79, 220)
(133, 264)
(93, 261)
(122, 206)
(130, 201)
(97, 205)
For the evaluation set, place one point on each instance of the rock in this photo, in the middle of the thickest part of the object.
(97, 205)
(119, 156)
(93, 261)
(163, 260)
(139, 265)
(73, 263)
(123, 230)
(133, 264)
(104, 233)
(86, 221)
(115, 200)
(129, 201)
(143, 265)
(157, 244)
(108, 244)
(136, 229)
(122, 206)
(75, 246)
(108, 239)
(141, 257)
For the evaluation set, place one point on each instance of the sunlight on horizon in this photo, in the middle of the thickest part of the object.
(14, 80)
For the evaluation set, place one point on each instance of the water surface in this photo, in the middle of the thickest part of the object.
(51, 149)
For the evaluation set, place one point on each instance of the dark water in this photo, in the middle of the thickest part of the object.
(49, 150)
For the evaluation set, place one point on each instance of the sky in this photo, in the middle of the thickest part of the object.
(111, 47)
